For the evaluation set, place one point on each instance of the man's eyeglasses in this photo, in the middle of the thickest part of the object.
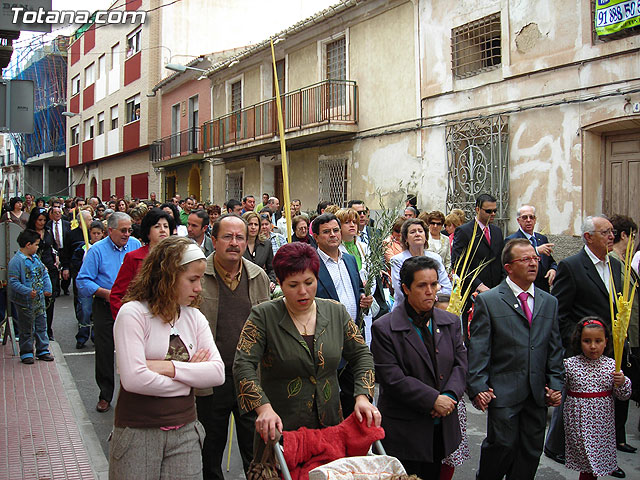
(436, 223)
(607, 232)
(126, 230)
(228, 237)
(490, 210)
(528, 217)
(363, 213)
(534, 259)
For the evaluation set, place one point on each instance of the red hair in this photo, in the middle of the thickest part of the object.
(293, 258)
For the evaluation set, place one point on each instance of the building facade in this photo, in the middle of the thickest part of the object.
(113, 70)
(526, 101)
(345, 76)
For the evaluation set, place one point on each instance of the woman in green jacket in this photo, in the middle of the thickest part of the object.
(290, 349)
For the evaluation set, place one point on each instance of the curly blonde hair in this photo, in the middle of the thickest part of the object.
(155, 283)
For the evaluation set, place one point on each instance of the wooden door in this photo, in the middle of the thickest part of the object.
(622, 175)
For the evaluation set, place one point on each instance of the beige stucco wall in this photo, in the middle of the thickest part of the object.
(382, 62)
(302, 68)
(251, 87)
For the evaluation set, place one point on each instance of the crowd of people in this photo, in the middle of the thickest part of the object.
(211, 311)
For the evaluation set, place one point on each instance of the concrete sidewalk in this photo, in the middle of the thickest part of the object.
(45, 433)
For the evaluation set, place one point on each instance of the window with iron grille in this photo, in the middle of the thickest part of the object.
(476, 47)
(336, 69)
(478, 162)
(332, 181)
(234, 186)
(236, 96)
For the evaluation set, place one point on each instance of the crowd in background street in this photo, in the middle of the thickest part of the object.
(211, 311)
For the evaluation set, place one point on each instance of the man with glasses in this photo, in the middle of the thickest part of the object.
(544, 249)
(96, 276)
(231, 286)
(515, 324)
(487, 247)
(364, 229)
(582, 287)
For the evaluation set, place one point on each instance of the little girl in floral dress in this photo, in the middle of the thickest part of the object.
(591, 382)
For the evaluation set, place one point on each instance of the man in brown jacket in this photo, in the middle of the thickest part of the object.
(230, 287)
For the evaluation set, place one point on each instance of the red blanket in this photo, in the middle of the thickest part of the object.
(306, 449)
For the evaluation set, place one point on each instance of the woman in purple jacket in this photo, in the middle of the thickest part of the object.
(421, 365)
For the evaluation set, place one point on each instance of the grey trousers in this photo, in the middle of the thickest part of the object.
(152, 453)
(515, 436)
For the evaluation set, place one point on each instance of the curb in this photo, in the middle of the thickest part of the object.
(97, 459)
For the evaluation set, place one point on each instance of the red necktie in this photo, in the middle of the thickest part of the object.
(486, 235)
(523, 297)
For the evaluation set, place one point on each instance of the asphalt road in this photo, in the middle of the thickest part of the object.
(81, 365)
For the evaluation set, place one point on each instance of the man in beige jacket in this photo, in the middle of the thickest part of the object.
(230, 287)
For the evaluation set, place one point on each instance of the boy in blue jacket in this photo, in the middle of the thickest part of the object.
(29, 284)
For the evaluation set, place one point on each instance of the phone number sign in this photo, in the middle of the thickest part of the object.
(615, 15)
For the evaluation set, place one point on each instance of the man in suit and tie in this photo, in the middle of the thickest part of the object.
(547, 268)
(338, 279)
(582, 288)
(61, 230)
(487, 247)
(515, 366)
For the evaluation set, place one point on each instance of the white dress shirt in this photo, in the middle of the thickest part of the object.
(342, 281)
(517, 291)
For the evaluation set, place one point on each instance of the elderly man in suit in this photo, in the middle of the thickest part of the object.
(544, 249)
(515, 366)
(339, 279)
(487, 246)
(582, 288)
(421, 365)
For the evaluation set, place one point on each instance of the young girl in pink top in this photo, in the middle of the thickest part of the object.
(591, 383)
(164, 349)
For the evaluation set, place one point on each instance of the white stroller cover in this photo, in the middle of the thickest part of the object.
(359, 468)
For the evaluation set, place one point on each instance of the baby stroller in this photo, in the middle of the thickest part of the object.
(327, 453)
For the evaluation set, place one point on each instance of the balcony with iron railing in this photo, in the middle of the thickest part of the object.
(317, 111)
(178, 147)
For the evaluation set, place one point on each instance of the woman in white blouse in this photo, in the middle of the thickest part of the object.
(164, 349)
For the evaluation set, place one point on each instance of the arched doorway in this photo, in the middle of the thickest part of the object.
(93, 189)
(194, 187)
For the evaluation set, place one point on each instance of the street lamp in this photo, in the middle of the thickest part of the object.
(183, 68)
(70, 114)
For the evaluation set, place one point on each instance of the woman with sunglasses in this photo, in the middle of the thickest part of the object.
(164, 349)
(47, 253)
(437, 242)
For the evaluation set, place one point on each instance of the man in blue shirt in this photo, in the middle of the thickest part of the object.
(97, 274)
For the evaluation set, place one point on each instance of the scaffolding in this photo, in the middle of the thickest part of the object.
(47, 68)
